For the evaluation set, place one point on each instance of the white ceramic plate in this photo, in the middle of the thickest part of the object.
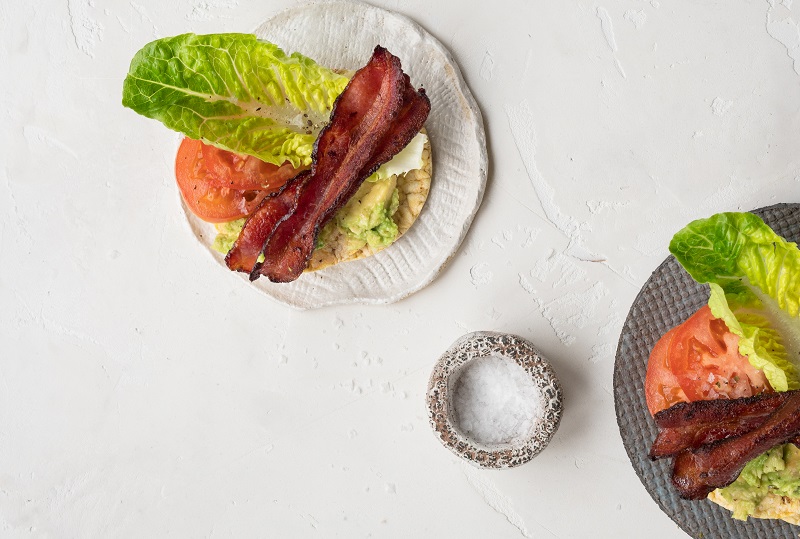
(342, 35)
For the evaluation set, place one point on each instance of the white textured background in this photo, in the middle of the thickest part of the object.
(145, 393)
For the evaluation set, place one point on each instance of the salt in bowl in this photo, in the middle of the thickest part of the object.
(535, 412)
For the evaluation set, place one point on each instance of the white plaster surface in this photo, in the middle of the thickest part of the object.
(144, 393)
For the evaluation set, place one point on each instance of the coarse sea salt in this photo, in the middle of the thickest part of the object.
(495, 401)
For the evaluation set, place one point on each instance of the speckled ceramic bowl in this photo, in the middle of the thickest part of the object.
(483, 344)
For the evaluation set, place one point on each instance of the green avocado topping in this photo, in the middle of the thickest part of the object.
(227, 234)
(775, 472)
(367, 217)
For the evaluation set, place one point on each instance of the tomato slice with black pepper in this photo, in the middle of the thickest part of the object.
(244, 172)
(202, 192)
(700, 360)
(705, 358)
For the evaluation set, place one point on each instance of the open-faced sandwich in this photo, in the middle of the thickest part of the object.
(299, 166)
(723, 387)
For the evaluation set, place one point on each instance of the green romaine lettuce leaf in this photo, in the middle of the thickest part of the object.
(409, 158)
(755, 287)
(758, 341)
(235, 92)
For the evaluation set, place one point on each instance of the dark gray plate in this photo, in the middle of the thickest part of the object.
(667, 299)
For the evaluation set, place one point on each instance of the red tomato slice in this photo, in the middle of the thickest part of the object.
(244, 172)
(704, 356)
(207, 200)
(699, 360)
(661, 387)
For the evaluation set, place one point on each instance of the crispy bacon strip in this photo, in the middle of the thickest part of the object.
(696, 473)
(373, 119)
(414, 111)
(690, 425)
(670, 442)
(262, 223)
(685, 414)
(412, 115)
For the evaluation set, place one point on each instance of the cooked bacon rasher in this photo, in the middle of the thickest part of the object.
(377, 114)
(696, 473)
(262, 223)
(713, 440)
(690, 425)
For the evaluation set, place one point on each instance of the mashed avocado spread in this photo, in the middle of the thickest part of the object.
(227, 234)
(367, 217)
(776, 472)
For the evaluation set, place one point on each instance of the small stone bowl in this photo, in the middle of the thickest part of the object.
(440, 406)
